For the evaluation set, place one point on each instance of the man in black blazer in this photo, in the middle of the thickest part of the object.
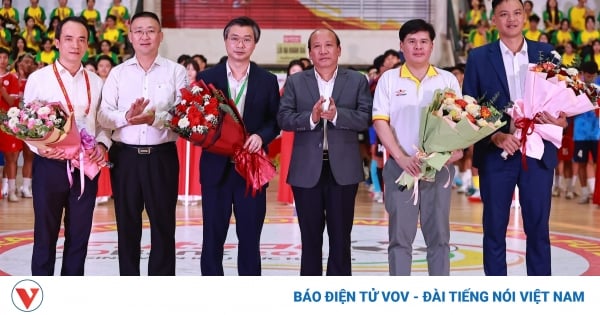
(256, 94)
(326, 107)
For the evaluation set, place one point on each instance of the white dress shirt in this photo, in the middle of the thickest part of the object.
(161, 84)
(236, 87)
(325, 90)
(42, 85)
(515, 65)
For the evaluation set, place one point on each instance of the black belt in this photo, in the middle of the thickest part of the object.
(325, 155)
(145, 149)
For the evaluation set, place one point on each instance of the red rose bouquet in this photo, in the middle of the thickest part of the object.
(208, 119)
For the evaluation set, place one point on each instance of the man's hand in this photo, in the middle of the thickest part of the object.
(98, 153)
(330, 113)
(410, 164)
(546, 118)
(317, 109)
(137, 113)
(508, 142)
(53, 153)
(455, 156)
(253, 143)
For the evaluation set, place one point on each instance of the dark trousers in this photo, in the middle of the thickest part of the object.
(145, 178)
(51, 194)
(249, 213)
(325, 204)
(497, 188)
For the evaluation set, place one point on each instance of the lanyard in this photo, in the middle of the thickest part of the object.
(240, 92)
(64, 90)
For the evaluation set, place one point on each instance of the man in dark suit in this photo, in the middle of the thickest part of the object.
(256, 94)
(326, 107)
(498, 70)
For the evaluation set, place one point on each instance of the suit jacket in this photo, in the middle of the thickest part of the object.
(260, 112)
(354, 105)
(485, 78)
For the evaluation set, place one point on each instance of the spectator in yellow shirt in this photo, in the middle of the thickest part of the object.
(10, 15)
(527, 12)
(62, 11)
(563, 35)
(32, 35)
(479, 36)
(570, 57)
(533, 33)
(121, 13)
(37, 13)
(552, 16)
(48, 54)
(577, 14)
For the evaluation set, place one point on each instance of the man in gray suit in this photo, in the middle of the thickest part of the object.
(326, 107)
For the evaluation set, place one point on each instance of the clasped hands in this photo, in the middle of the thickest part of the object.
(95, 154)
(319, 112)
(138, 114)
(412, 164)
(511, 144)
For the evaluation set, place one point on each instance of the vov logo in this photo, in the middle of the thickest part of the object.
(27, 295)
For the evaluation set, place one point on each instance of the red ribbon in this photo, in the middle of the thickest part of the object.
(255, 168)
(527, 125)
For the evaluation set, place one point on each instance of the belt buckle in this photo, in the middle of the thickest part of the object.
(144, 151)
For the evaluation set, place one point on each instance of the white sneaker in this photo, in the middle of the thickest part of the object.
(4, 190)
(26, 192)
(103, 199)
(556, 191)
(12, 196)
(585, 199)
(569, 195)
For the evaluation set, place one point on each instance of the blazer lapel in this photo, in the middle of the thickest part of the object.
(495, 52)
(253, 86)
(311, 84)
(340, 81)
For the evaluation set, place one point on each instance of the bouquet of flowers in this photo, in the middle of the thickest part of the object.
(449, 123)
(208, 119)
(552, 88)
(39, 123)
(46, 125)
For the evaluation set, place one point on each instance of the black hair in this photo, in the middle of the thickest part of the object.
(337, 38)
(554, 20)
(378, 62)
(589, 67)
(192, 62)
(4, 51)
(243, 21)
(391, 52)
(534, 18)
(414, 26)
(76, 19)
(201, 57)
(105, 57)
(495, 3)
(144, 14)
(295, 62)
(183, 58)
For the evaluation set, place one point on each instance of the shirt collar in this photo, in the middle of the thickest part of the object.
(405, 73)
(133, 61)
(230, 73)
(504, 49)
(62, 70)
(332, 78)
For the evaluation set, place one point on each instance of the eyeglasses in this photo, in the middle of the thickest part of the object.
(244, 40)
(140, 33)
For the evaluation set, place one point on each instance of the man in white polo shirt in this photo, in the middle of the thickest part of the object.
(400, 96)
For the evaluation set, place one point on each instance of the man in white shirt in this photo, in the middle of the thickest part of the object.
(135, 101)
(400, 97)
(78, 90)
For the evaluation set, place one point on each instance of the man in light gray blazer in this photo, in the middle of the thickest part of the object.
(326, 107)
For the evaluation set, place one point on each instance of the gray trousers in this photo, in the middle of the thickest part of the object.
(433, 212)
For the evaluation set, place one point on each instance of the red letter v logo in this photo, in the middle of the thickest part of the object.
(26, 298)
